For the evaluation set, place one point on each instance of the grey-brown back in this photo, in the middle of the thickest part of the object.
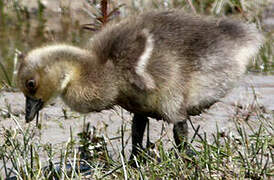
(211, 54)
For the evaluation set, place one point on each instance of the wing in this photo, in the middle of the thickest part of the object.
(130, 47)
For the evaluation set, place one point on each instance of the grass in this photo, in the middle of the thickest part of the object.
(246, 154)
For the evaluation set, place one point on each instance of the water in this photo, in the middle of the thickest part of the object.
(30, 25)
(27, 24)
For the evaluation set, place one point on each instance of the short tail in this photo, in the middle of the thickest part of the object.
(251, 43)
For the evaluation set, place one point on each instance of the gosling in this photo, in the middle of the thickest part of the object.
(166, 65)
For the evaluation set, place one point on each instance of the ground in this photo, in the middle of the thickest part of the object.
(56, 129)
(249, 104)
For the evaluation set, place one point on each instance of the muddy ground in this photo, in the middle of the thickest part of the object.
(254, 93)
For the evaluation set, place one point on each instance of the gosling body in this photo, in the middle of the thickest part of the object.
(164, 64)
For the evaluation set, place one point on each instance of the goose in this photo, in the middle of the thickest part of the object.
(166, 65)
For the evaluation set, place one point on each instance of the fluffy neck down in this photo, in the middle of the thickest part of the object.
(84, 84)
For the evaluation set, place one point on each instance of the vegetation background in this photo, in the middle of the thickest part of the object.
(26, 24)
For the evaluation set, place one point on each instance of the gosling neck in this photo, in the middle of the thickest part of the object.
(61, 63)
(85, 84)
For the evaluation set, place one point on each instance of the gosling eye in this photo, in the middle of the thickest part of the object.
(31, 85)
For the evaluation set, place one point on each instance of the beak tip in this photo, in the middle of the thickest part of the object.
(28, 118)
(33, 106)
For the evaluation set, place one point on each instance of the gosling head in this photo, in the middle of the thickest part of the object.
(44, 74)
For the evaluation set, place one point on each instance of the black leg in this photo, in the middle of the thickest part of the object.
(137, 129)
(180, 133)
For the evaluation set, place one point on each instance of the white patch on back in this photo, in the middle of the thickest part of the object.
(143, 61)
(65, 81)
